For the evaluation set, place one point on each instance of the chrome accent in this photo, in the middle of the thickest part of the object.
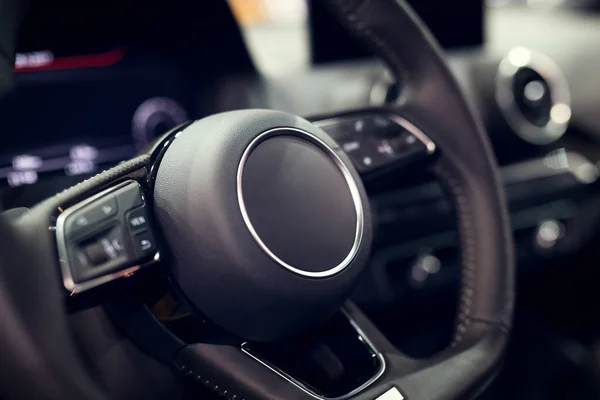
(517, 59)
(392, 394)
(404, 123)
(555, 163)
(347, 176)
(361, 336)
(63, 257)
(381, 88)
(548, 232)
(416, 132)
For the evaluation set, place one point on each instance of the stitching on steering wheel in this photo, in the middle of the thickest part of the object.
(468, 256)
(97, 180)
(367, 33)
(210, 385)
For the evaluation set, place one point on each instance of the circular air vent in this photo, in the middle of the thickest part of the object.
(533, 95)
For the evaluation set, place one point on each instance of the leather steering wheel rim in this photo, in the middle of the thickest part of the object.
(40, 346)
(432, 100)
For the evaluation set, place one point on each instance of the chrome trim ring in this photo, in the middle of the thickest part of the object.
(354, 191)
(560, 112)
(361, 336)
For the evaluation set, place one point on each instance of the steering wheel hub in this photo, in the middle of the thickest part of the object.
(265, 219)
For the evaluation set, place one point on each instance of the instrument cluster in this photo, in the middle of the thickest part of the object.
(74, 115)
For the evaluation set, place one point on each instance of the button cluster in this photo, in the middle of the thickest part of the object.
(90, 217)
(108, 234)
(374, 141)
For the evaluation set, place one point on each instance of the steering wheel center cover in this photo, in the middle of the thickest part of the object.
(300, 202)
(266, 221)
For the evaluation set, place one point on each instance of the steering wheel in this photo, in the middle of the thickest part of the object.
(261, 222)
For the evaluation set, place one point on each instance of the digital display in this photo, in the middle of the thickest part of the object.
(94, 117)
(45, 60)
(96, 80)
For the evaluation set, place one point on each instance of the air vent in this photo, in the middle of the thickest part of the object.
(533, 95)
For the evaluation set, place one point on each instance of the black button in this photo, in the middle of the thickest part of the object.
(351, 145)
(144, 244)
(105, 252)
(363, 153)
(79, 259)
(106, 247)
(130, 196)
(78, 223)
(95, 254)
(113, 243)
(117, 240)
(105, 208)
(84, 219)
(137, 220)
(339, 130)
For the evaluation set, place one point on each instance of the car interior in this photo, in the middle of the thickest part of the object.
(412, 211)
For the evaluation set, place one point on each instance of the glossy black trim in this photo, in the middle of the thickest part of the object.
(157, 150)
